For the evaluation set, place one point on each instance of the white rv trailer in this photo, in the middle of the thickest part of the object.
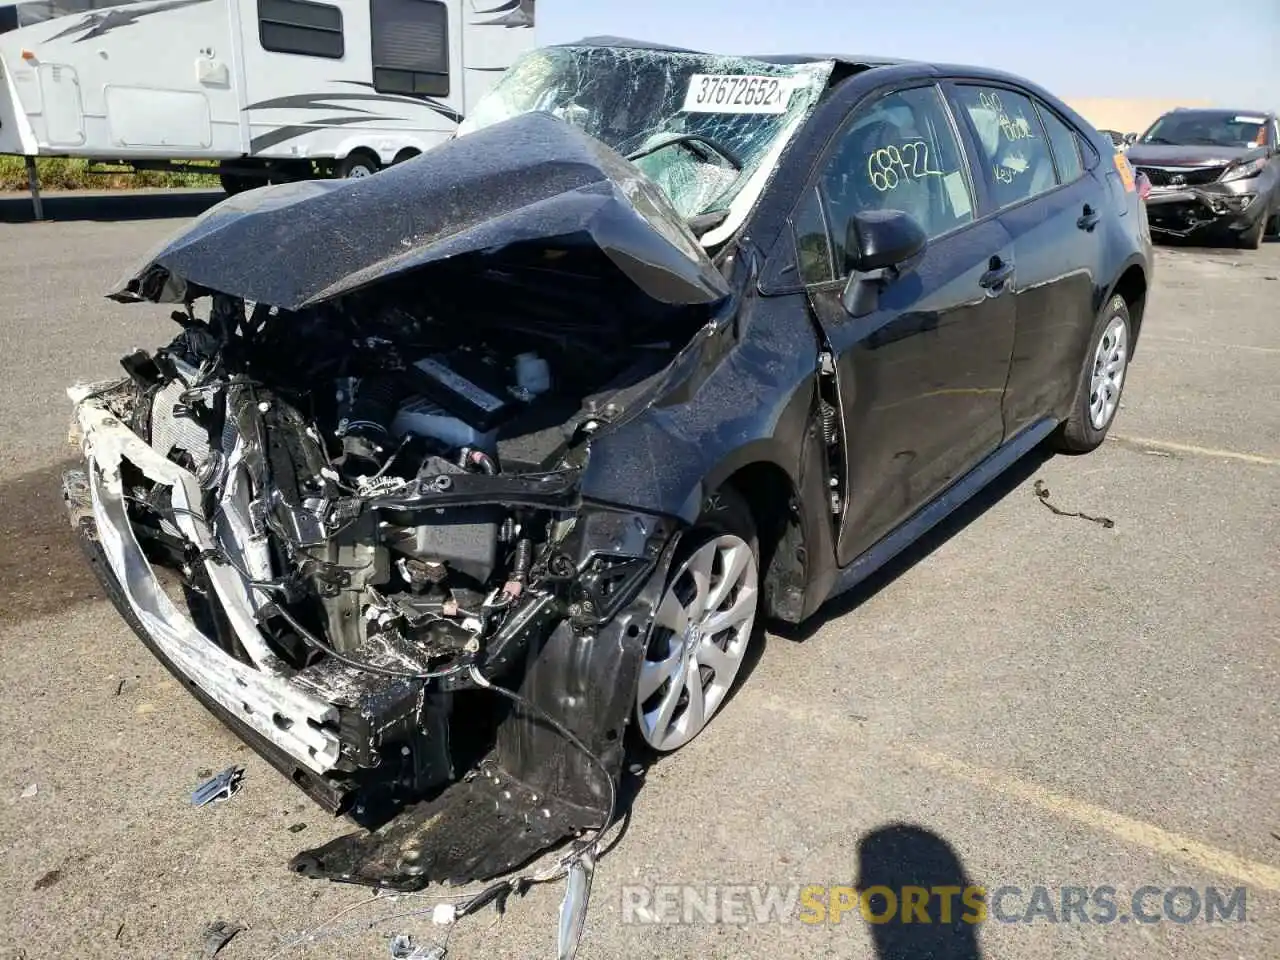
(272, 89)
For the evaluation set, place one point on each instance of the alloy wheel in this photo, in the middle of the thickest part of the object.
(700, 635)
(1110, 361)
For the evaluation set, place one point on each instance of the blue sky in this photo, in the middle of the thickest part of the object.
(1075, 48)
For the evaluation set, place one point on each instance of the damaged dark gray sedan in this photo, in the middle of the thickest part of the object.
(472, 473)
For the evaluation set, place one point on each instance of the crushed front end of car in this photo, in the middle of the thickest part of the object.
(1225, 198)
(343, 505)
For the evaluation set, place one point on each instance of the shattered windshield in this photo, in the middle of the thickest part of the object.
(696, 124)
(1208, 128)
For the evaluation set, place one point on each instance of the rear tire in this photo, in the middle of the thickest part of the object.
(1101, 383)
(702, 628)
(356, 165)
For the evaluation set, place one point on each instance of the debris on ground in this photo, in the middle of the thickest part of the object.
(217, 935)
(1042, 491)
(402, 948)
(217, 789)
(573, 908)
(47, 879)
(297, 828)
(30, 791)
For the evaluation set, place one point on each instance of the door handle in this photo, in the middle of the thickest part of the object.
(996, 277)
(1089, 219)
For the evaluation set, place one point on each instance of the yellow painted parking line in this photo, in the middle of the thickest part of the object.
(1251, 873)
(1170, 447)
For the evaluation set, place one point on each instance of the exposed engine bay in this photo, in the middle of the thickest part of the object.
(352, 450)
(391, 519)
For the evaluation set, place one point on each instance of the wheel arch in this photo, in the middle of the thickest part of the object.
(1132, 286)
(796, 531)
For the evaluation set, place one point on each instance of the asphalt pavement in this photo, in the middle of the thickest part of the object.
(1025, 700)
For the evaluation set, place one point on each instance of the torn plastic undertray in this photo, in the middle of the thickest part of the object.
(481, 827)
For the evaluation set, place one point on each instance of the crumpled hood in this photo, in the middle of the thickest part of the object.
(1187, 155)
(530, 178)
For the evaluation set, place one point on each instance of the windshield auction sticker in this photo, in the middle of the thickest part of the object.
(714, 93)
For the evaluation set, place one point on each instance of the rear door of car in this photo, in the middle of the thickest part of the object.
(921, 377)
(1040, 174)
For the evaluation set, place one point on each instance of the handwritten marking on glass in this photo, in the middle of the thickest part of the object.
(1010, 167)
(1013, 130)
(891, 165)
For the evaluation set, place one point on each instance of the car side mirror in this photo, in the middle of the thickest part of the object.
(1130, 139)
(879, 245)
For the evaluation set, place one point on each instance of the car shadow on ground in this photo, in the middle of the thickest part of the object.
(897, 856)
(114, 207)
(992, 494)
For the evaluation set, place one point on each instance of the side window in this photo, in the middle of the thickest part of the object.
(1066, 148)
(900, 153)
(410, 47)
(1011, 140)
(302, 27)
(813, 248)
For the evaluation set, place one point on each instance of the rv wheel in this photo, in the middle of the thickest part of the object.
(357, 164)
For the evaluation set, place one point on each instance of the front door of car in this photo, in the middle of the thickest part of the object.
(1053, 207)
(921, 368)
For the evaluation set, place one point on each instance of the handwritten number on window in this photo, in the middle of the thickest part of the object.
(890, 165)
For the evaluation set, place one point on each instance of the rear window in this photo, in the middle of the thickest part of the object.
(1014, 147)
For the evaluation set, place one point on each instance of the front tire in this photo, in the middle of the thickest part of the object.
(702, 626)
(1251, 239)
(1101, 383)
